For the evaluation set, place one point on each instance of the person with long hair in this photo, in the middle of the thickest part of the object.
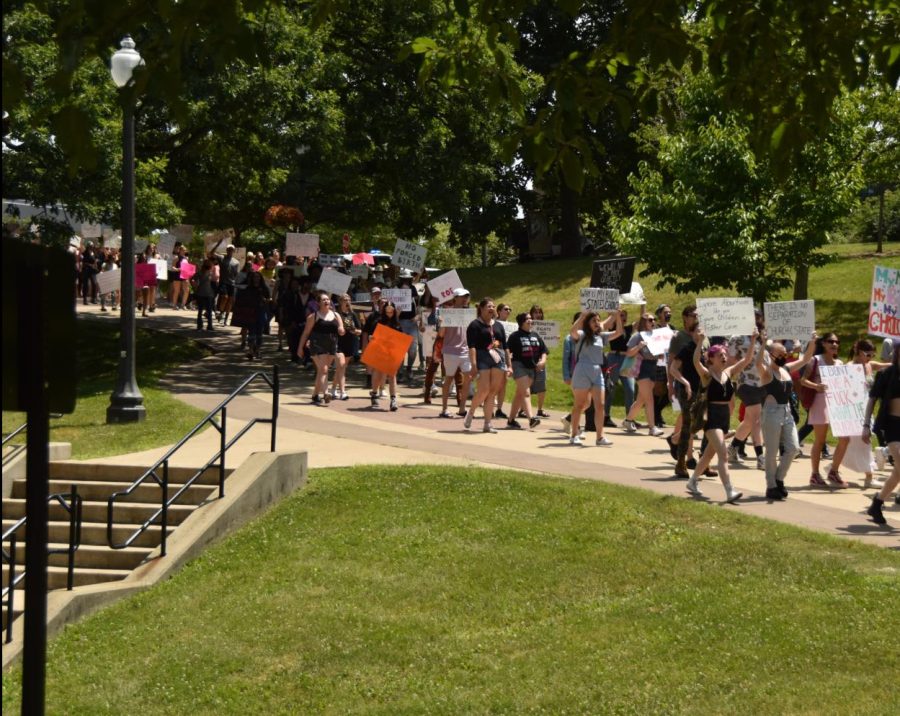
(539, 388)
(323, 326)
(720, 390)
(347, 346)
(588, 338)
(528, 354)
(646, 378)
(818, 412)
(779, 430)
(490, 359)
(503, 312)
(886, 389)
(390, 318)
(751, 394)
(203, 290)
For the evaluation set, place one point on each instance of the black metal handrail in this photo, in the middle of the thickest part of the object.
(161, 516)
(74, 507)
(15, 432)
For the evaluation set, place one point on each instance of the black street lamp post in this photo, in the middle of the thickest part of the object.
(126, 404)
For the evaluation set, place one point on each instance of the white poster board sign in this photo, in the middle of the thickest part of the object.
(726, 316)
(548, 331)
(183, 233)
(216, 241)
(75, 241)
(330, 260)
(91, 231)
(429, 335)
(362, 298)
(166, 244)
(359, 271)
(790, 319)
(884, 307)
(845, 398)
(457, 317)
(333, 281)
(509, 326)
(140, 245)
(306, 245)
(162, 268)
(599, 299)
(400, 297)
(442, 286)
(658, 340)
(409, 256)
(108, 281)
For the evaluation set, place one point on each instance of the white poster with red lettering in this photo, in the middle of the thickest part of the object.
(884, 308)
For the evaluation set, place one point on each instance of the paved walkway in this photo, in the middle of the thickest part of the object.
(350, 432)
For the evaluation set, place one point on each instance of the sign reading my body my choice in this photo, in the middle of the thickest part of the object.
(726, 316)
(884, 308)
(616, 273)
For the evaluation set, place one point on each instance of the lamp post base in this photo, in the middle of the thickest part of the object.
(126, 410)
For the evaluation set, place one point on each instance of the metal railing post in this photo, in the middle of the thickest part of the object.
(10, 589)
(222, 442)
(275, 393)
(165, 509)
(70, 576)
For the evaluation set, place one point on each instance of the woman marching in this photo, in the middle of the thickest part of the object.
(389, 317)
(779, 431)
(718, 416)
(529, 355)
(323, 327)
(887, 390)
(588, 337)
(818, 412)
(490, 360)
(347, 346)
(646, 377)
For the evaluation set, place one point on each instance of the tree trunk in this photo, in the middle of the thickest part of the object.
(570, 227)
(801, 283)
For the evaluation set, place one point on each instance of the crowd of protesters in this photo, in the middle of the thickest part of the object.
(705, 378)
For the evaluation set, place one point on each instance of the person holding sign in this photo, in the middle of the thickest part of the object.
(408, 320)
(390, 318)
(489, 357)
(719, 392)
(637, 348)
(588, 337)
(818, 411)
(539, 388)
(454, 352)
(887, 390)
(778, 426)
(322, 330)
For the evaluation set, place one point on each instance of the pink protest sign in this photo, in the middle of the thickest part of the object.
(187, 270)
(145, 274)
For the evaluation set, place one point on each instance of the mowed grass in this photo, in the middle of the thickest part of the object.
(400, 590)
(96, 353)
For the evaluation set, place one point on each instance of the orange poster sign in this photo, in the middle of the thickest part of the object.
(386, 349)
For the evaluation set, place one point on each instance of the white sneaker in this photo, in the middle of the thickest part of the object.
(693, 487)
(467, 422)
(732, 495)
(760, 462)
(655, 432)
(566, 424)
(733, 454)
(880, 457)
(629, 426)
(576, 440)
(602, 441)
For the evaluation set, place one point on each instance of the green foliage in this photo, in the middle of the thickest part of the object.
(447, 590)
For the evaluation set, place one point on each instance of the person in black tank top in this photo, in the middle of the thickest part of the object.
(778, 427)
(322, 330)
(716, 375)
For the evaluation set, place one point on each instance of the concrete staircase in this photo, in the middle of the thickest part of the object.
(95, 561)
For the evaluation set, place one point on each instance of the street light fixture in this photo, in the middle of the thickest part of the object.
(126, 404)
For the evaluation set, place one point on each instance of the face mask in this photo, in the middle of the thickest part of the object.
(780, 361)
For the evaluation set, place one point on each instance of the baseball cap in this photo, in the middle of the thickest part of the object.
(230, 246)
(460, 292)
(375, 289)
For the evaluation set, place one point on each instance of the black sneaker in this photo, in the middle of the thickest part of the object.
(673, 447)
(691, 463)
(773, 493)
(543, 414)
(499, 414)
(316, 399)
(513, 425)
(522, 414)
(875, 513)
(534, 422)
(609, 423)
(826, 453)
(782, 489)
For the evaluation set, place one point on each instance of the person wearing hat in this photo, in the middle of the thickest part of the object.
(455, 358)
(229, 267)
(408, 320)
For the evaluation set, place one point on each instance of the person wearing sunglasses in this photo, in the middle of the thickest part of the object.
(818, 411)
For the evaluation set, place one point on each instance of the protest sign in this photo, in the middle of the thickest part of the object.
(112, 240)
(442, 286)
(362, 298)
(634, 297)
(614, 273)
(91, 231)
(183, 233)
(658, 340)
(187, 270)
(240, 255)
(140, 245)
(144, 275)
(333, 281)
(845, 398)
(400, 297)
(548, 331)
(509, 326)
(457, 317)
(726, 316)
(162, 268)
(884, 308)
(109, 280)
(429, 336)
(386, 349)
(409, 256)
(75, 241)
(330, 260)
(166, 244)
(790, 319)
(599, 299)
(306, 245)
(359, 271)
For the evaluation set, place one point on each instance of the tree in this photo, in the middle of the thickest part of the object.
(707, 213)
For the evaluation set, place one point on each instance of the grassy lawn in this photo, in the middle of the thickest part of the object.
(452, 590)
(168, 419)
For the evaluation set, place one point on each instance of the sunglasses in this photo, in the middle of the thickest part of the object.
(834, 343)
(869, 355)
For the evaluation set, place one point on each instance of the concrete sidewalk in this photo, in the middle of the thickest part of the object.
(351, 432)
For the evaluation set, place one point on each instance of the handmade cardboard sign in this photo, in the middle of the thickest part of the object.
(362, 298)
(409, 256)
(658, 340)
(386, 349)
(330, 260)
(442, 286)
(599, 299)
(614, 273)
(726, 316)
(884, 308)
(333, 282)
(457, 317)
(359, 271)
(162, 268)
(166, 244)
(183, 232)
(548, 331)
(845, 398)
(306, 245)
(140, 245)
(795, 320)
(509, 326)
(400, 297)
(108, 281)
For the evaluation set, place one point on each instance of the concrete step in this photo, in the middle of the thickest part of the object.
(101, 491)
(90, 555)
(57, 576)
(99, 472)
(18, 610)
(95, 511)
(95, 533)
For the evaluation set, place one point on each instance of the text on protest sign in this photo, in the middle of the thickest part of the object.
(790, 319)
(333, 281)
(162, 268)
(409, 256)
(333, 260)
(362, 297)
(614, 273)
(91, 231)
(442, 286)
(109, 280)
(301, 244)
(75, 241)
(400, 297)
(599, 299)
(884, 308)
(726, 316)
(548, 331)
(359, 271)
(658, 340)
(457, 317)
(845, 398)
(166, 244)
